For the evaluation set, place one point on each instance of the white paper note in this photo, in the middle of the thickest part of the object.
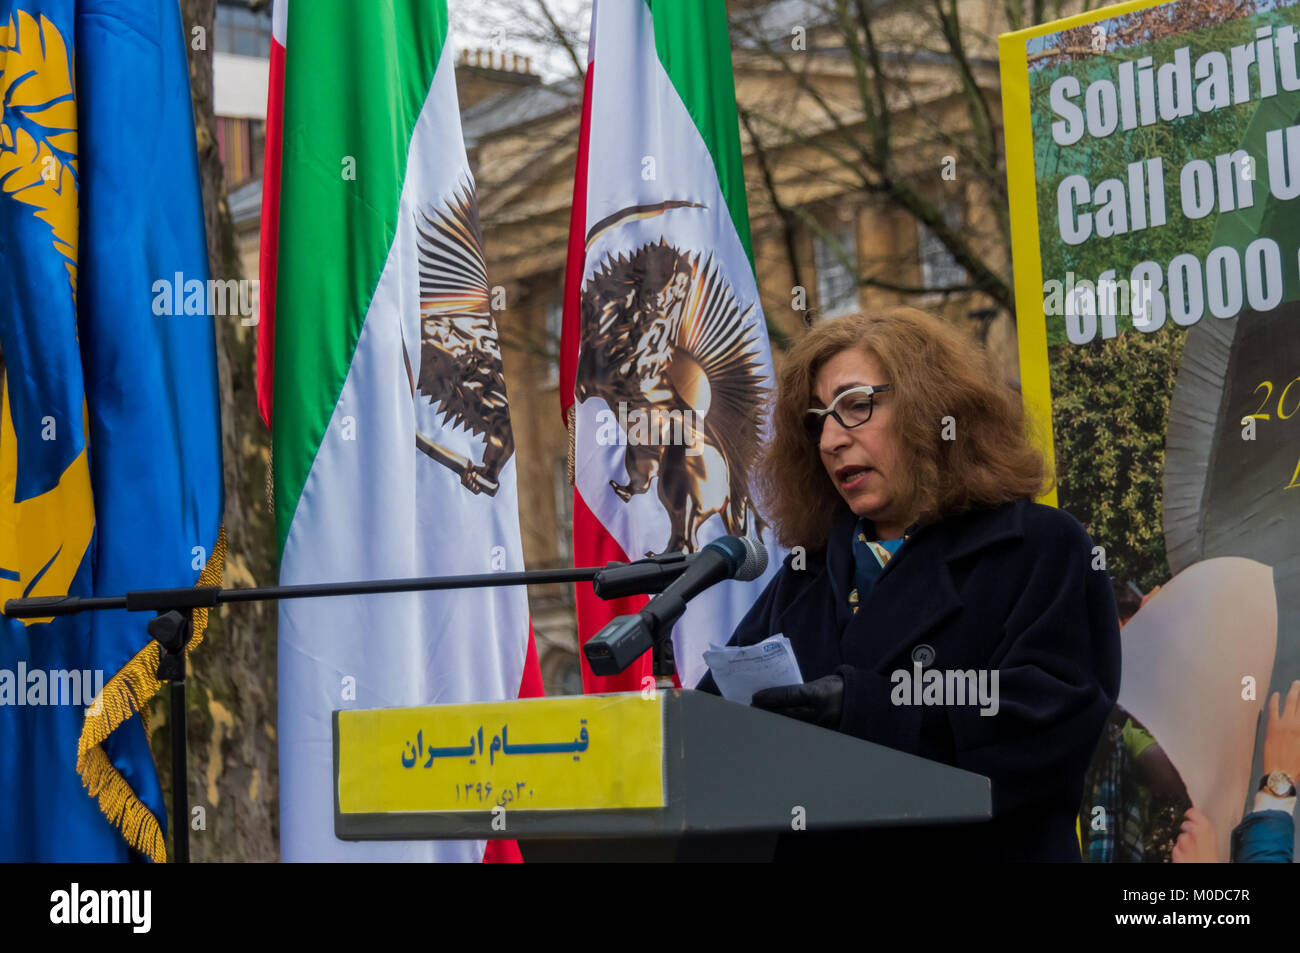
(740, 671)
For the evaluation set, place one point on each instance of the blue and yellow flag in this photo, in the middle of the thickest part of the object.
(110, 450)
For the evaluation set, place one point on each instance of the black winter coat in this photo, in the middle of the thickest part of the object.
(1010, 589)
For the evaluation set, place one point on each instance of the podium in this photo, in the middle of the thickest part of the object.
(733, 779)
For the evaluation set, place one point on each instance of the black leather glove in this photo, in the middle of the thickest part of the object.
(820, 702)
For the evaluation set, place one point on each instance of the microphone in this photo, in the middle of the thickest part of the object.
(626, 638)
(654, 573)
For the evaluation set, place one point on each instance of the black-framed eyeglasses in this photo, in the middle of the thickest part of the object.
(851, 408)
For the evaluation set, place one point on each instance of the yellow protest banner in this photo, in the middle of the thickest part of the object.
(1153, 170)
(1013, 59)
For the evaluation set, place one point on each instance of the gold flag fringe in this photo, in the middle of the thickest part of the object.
(120, 805)
(125, 695)
(571, 425)
(270, 485)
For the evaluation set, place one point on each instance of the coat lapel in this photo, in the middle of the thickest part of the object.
(916, 593)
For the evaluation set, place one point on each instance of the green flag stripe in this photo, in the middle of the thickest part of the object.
(357, 74)
(694, 46)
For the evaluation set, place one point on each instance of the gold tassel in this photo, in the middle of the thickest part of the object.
(125, 695)
(570, 462)
(210, 576)
(270, 485)
(119, 804)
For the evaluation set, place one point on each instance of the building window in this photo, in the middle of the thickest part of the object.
(257, 139)
(554, 326)
(241, 144)
(938, 268)
(837, 284)
(242, 32)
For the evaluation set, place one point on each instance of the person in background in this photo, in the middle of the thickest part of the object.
(1130, 777)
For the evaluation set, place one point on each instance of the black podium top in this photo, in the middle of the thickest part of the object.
(729, 770)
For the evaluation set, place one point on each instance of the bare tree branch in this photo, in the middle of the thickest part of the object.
(876, 152)
(787, 217)
(562, 38)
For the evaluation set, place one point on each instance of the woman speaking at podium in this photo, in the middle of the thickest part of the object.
(901, 476)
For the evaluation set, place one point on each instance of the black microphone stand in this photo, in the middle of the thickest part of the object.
(662, 618)
(172, 631)
(171, 628)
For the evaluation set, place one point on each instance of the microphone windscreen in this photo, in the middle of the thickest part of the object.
(755, 563)
(747, 558)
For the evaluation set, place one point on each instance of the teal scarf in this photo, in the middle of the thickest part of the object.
(869, 559)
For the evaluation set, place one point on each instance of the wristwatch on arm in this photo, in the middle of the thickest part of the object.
(1277, 792)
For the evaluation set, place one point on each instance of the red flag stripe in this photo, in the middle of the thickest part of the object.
(571, 327)
(592, 543)
(270, 220)
(594, 546)
(530, 686)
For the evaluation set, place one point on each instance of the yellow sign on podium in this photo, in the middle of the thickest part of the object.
(537, 754)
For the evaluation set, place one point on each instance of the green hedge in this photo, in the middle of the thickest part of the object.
(1110, 411)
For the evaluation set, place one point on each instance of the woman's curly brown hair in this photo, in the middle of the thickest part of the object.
(936, 372)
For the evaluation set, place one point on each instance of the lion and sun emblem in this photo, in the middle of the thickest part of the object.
(662, 333)
(461, 374)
